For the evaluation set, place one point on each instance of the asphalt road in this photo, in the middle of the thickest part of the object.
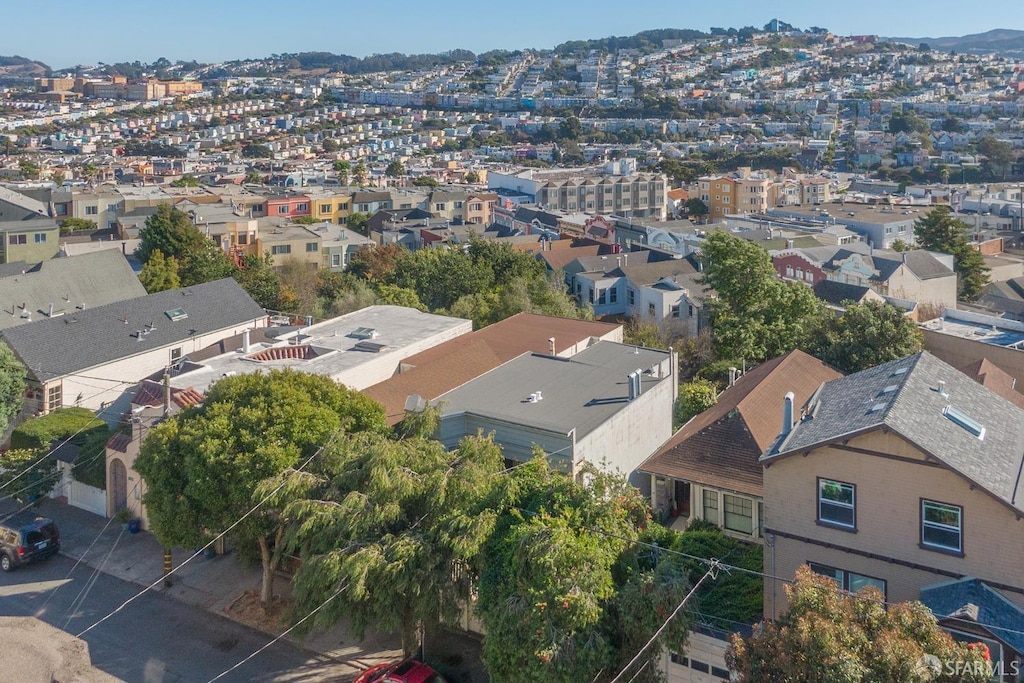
(155, 639)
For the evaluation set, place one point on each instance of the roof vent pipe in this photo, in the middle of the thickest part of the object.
(245, 341)
(49, 311)
(551, 346)
(787, 413)
(732, 376)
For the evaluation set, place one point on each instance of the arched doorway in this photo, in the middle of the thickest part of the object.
(118, 485)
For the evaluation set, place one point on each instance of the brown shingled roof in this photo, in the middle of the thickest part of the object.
(991, 376)
(721, 446)
(449, 365)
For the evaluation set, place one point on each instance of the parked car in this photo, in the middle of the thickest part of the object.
(25, 537)
(405, 671)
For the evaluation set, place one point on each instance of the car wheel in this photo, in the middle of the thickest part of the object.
(5, 563)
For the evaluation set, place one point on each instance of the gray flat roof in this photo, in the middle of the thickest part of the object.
(579, 393)
(329, 347)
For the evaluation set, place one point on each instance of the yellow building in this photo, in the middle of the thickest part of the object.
(719, 193)
(331, 207)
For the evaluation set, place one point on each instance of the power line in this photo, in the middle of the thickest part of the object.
(216, 538)
(712, 572)
(282, 635)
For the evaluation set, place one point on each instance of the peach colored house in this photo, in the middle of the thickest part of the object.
(906, 477)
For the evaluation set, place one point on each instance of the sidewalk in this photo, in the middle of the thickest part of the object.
(214, 584)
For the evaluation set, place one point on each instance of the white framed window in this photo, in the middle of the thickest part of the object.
(278, 249)
(710, 503)
(738, 514)
(325, 208)
(942, 526)
(837, 503)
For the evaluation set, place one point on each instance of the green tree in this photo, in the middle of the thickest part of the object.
(694, 398)
(187, 180)
(36, 474)
(900, 245)
(359, 173)
(395, 169)
(425, 181)
(30, 170)
(202, 466)
(399, 525)
(999, 156)
(399, 296)
(12, 386)
(206, 264)
(754, 315)
(832, 635)
(159, 273)
(939, 231)
(342, 168)
(472, 177)
(252, 151)
(170, 231)
(331, 146)
(570, 128)
(565, 595)
(260, 281)
(254, 177)
(863, 336)
(440, 277)
(70, 225)
(357, 221)
(695, 206)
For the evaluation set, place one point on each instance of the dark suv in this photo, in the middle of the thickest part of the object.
(26, 537)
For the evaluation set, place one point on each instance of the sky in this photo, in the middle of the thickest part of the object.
(64, 33)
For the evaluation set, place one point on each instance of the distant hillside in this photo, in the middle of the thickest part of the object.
(645, 40)
(996, 40)
(21, 67)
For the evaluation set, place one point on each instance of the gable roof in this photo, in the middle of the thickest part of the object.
(93, 279)
(903, 396)
(989, 375)
(835, 293)
(446, 366)
(682, 270)
(57, 347)
(721, 446)
(972, 601)
(23, 202)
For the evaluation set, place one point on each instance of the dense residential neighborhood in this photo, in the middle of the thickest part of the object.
(683, 356)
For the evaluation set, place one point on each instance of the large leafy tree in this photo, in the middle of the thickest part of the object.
(565, 594)
(160, 273)
(754, 315)
(938, 230)
(170, 231)
(441, 276)
(397, 525)
(863, 336)
(202, 466)
(831, 635)
(259, 279)
(12, 386)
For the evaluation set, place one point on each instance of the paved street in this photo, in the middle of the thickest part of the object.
(156, 638)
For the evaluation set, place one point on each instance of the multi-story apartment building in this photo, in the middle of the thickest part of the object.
(610, 191)
(330, 207)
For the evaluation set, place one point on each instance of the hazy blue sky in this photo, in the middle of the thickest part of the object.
(67, 32)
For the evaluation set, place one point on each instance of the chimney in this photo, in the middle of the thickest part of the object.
(904, 256)
(787, 413)
(631, 381)
(49, 311)
(551, 346)
(789, 244)
(625, 259)
(245, 341)
(309, 320)
(732, 376)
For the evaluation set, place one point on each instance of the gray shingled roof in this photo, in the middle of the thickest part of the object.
(836, 293)
(902, 395)
(90, 280)
(986, 607)
(57, 347)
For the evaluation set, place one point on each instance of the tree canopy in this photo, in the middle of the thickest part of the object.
(12, 386)
(832, 635)
(159, 273)
(939, 231)
(754, 315)
(863, 336)
(202, 466)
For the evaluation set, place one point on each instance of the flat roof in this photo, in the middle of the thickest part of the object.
(999, 333)
(581, 392)
(333, 347)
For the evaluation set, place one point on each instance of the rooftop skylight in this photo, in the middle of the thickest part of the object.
(964, 420)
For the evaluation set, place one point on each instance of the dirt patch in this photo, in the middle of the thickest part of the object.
(248, 610)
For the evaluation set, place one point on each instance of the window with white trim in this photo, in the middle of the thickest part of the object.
(837, 503)
(851, 582)
(942, 526)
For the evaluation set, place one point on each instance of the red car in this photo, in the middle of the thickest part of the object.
(405, 671)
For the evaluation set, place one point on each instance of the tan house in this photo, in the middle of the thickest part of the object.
(906, 477)
(709, 469)
(291, 241)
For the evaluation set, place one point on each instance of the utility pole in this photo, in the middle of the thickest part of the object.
(168, 567)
